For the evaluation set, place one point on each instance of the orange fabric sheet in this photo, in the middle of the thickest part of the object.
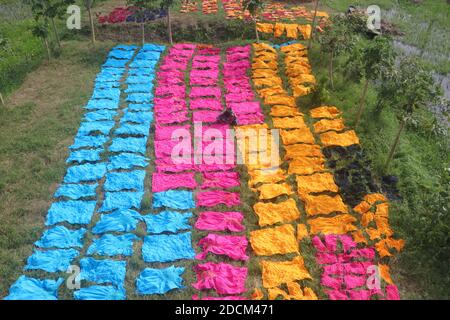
(289, 123)
(302, 135)
(329, 124)
(294, 293)
(340, 224)
(275, 273)
(329, 112)
(284, 111)
(343, 139)
(296, 151)
(266, 176)
(276, 240)
(317, 182)
(270, 213)
(306, 165)
(323, 204)
(273, 190)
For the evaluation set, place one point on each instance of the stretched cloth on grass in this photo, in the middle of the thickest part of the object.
(295, 293)
(276, 240)
(85, 172)
(125, 47)
(76, 191)
(103, 271)
(222, 277)
(26, 288)
(153, 47)
(62, 238)
(139, 79)
(127, 180)
(344, 139)
(111, 245)
(109, 77)
(233, 247)
(302, 135)
(328, 112)
(159, 281)
(329, 124)
(266, 176)
(100, 85)
(205, 116)
(306, 165)
(137, 117)
(139, 88)
(138, 145)
(220, 180)
(132, 129)
(270, 213)
(73, 212)
(88, 141)
(111, 94)
(323, 204)
(220, 221)
(167, 221)
(284, 111)
(121, 200)
(174, 199)
(92, 155)
(296, 151)
(172, 132)
(100, 293)
(139, 106)
(167, 248)
(121, 54)
(140, 97)
(289, 123)
(127, 161)
(214, 198)
(198, 92)
(196, 297)
(115, 63)
(142, 64)
(101, 104)
(273, 190)
(206, 103)
(315, 183)
(275, 273)
(176, 117)
(100, 115)
(163, 182)
(117, 221)
(51, 260)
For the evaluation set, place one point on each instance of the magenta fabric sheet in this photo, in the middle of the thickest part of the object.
(222, 277)
(205, 116)
(163, 182)
(196, 297)
(223, 180)
(220, 221)
(206, 103)
(214, 198)
(172, 132)
(233, 247)
(199, 92)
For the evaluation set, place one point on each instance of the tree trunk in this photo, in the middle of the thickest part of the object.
(92, 25)
(143, 31)
(1, 99)
(56, 33)
(169, 26)
(330, 69)
(256, 30)
(47, 47)
(313, 29)
(361, 103)
(395, 145)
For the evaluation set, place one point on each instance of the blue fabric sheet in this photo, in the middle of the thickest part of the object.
(175, 199)
(170, 221)
(125, 47)
(140, 97)
(139, 107)
(51, 260)
(92, 155)
(85, 172)
(103, 271)
(106, 85)
(88, 142)
(139, 79)
(137, 88)
(167, 248)
(26, 288)
(76, 191)
(111, 94)
(100, 293)
(121, 54)
(159, 281)
(153, 47)
(87, 128)
(127, 180)
(117, 221)
(100, 115)
(111, 245)
(143, 63)
(115, 63)
(127, 161)
(138, 145)
(102, 104)
(112, 72)
(142, 72)
(105, 77)
(129, 129)
(137, 117)
(121, 200)
(73, 212)
(62, 238)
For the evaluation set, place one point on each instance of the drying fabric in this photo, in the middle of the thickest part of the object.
(62, 238)
(127, 180)
(128, 129)
(166, 248)
(111, 94)
(121, 200)
(121, 54)
(315, 183)
(52, 260)
(100, 115)
(222, 277)
(117, 221)
(127, 161)
(245, 107)
(323, 204)
(138, 145)
(103, 271)
(76, 191)
(220, 221)
(295, 293)
(196, 297)
(306, 165)
(138, 88)
(198, 92)
(344, 139)
(159, 281)
(85, 155)
(289, 123)
(205, 116)
(171, 132)
(143, 63)
(203, 82)
(296, 151)
(302, 135)
(270, 213)
(210, 104)
(140, 107)
(302, 232)
(154, 47)
(265, 27)
(223, 180)
(102, 104)
(233, 247)
(325, 112)
(140, 97)
(163, 182)
(115, 63)
(283, 100)
(26, 288)
(176, 117)
(273, 190)
(340, 224)
(167, 221)
(139, 79)
(100, 293)
(137, 117)
(214, 198)
(276, 240)
(88, 141)
(284, 111)
(85, 172)
(111, 245)
(279, 29)
(175, 199)
(327, 125)
(73, 212)
(266, 176)
(275, 273)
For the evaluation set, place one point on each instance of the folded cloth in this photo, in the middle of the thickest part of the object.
(231, 246)
(220, 221)
(222, 277)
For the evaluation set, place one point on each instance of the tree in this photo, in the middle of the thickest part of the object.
(253, 7)
(414, 88)
(166, 5)
(336, 39)
(142, 6)
(316, 6)
(376, 58)
(88, 4)
(40, 30)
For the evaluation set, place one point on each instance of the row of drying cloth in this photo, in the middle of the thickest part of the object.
(130, 14)
(289, 30)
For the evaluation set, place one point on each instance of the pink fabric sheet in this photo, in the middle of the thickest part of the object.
(222, 277)
(196, 297)
(172, 132)
(176, 117)
(214, 198)
(206, 58)
(163, 182)
(198, 92)
(205, 116)
(220, 221)
(206, 103)
(223, 180)
(205, 82)
(245, 107)
(233, 247)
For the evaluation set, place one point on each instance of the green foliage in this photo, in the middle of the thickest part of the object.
(337, 37)
(253, 6)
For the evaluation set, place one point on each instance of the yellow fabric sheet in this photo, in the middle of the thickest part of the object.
(302, 231)
(263, 73)
(375, 197)
(296, 151)
(270, 213)
(273, 190)
(362, 207)
(267, 82)
(265, 27)
(276, 240)
(323, 204)
(275, 273)
(289, 123)
(272, 91)
(263, 47)
(329, 124)
(317, 182)
(292, 47)
(343, 139)
(306, 165)
(301, 91)
(259, 64)
(329, 112)
(292, 30)
(294, 293)
(284, 111)
(266, 176)
(279, 29)
(340, 224)
(305, 30)
(280, 99)
(302, 135)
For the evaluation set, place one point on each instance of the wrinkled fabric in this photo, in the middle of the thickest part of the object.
(266, 176)
(175, 199)
(167, 221)
(159, 281)
(167, 248)
(126, 180)
(323, 204)
(344, 139)
(295, 293)
(233, 247)
(199, 92)
(128, 129)
(222, 277)
(126, 161)
(296, 151)
(138, 145)
(276, 240)
(87, 128)
(85, 172)
(340, 224)
(328, 112)
(275, 273)
(85, 155)
(121, 200)
(196, 297)
(51, 260)
(302, 135)
(327, 125)
(73, 212)
(316, 183)
(296, 122)
(111, 245)
(26, 288)
(163, 182)
(223, 180)
(88, 142)
(100, 293)
(76, 191)
(270, 213)
(214, 198)
(273, 190)
(62, 238)
(103, 271)
(102, 104)
(220, 221)
(205, 116)
(306, 165)
(117, 221)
